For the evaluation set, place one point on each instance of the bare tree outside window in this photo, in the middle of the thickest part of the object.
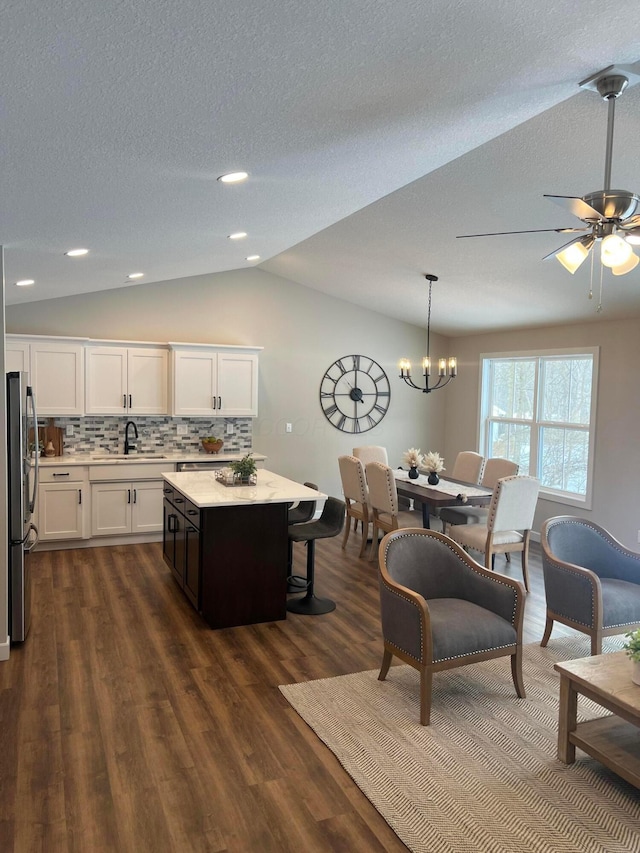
(538, 411)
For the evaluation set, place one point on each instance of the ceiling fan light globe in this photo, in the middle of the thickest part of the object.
(630, 264)
(614, 251)
(572, 256)
(633, 236)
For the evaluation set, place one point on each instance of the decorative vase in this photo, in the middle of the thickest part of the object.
(413, 472)
(433, 478)
(50, 449)
(635, 672)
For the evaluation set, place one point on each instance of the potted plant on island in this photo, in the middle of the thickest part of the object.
(245, 469)
(632, 647)
(212, 444)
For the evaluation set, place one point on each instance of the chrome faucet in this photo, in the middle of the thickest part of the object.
(129, 445)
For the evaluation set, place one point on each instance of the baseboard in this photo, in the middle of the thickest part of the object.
(99, 542)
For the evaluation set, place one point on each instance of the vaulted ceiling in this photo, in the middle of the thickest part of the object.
(373, 134)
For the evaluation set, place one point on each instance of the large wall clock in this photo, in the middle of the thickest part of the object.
(355, 393)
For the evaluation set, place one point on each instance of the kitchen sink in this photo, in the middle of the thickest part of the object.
(121, 457)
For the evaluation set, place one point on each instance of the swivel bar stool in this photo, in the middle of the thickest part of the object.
(303, 511)
(329, 524)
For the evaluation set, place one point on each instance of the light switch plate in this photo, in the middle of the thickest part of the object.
(69, 430)
(229, 429)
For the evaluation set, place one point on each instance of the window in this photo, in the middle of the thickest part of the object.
(538, 409)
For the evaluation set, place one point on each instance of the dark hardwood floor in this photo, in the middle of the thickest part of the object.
(129, 725)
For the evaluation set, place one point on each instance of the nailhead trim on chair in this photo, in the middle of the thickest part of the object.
(495, 579)
(585, 523)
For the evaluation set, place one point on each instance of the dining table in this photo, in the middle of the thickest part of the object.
(447, 492)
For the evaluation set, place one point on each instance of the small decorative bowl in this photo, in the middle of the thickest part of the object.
(212, 446)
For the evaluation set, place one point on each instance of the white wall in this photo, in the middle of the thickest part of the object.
(302, 331)
(616, 492)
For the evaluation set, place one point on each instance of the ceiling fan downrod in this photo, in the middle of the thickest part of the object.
(610, 88)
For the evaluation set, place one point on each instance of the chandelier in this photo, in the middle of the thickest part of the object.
(447, 367)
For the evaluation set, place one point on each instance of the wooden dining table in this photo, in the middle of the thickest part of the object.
(448, 492)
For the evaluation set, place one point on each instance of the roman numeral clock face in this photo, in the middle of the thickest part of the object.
(355, 393)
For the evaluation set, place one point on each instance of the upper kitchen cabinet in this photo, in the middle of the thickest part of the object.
(130, 380)
(214, 381)
(56, 371)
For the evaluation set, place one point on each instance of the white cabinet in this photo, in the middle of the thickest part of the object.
(62, 499)
(56, 372)
(127, 381)
(216, 382)
(126, 507)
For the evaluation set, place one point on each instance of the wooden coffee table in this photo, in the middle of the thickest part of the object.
(613, 740)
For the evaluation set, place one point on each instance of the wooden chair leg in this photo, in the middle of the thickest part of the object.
(508, 556)
(525, 566)
(373, 553)
(516, 673)
(596, 642)
(548, 628)
(347, 531)
(426, 683)
(386, 663)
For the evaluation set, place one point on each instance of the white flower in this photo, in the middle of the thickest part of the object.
(432, 461)
(412, 457)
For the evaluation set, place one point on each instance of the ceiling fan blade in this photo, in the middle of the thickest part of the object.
(562, 248)
(577, 206)
(632, 222)
(529, 231)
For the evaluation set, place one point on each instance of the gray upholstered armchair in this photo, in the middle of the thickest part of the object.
(440, 609)
(591, 581)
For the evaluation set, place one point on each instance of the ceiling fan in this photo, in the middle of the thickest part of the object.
(610, 216)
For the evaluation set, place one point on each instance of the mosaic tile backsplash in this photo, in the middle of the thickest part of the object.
(106, 434)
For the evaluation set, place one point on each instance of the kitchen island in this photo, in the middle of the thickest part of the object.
(227, 546)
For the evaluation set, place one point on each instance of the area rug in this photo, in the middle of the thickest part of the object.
(484, 775)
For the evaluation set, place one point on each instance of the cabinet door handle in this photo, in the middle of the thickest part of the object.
(135, 496)
(179, 500)
(80, 496)
(130, 402)
(166, 491)
(124, 401)
(170, 523)
(213, 402)
(219, 402)
(191, 530)
(192, 512)
(128, 496)
(66, 474)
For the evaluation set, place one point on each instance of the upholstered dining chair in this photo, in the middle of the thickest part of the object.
(468, 466)
(493, 470)
(440, 609)
(591, 581)
(508, 524)
(383, 498)
(371, 453)
(356, 496)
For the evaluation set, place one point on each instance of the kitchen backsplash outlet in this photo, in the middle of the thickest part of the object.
(105, 434)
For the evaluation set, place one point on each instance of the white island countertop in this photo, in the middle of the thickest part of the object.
(203, 490)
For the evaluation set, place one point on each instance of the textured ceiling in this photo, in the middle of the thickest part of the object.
(373, 133)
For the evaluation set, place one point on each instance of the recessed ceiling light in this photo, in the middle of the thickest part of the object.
(233, 177)
(25, 282)
(253, 258)
(76, 253)
(239, 235)
(135, 275)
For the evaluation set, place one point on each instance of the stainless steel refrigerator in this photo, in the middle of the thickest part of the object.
(22, 478)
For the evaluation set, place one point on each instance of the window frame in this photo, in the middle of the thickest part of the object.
(567, 498)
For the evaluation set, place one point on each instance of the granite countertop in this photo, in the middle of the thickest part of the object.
(172, 457)
(203, 490)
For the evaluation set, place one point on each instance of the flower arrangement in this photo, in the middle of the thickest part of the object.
(412, 457)
(632, 646)
(433, 462)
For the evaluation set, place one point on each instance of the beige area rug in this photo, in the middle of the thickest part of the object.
(484, 775)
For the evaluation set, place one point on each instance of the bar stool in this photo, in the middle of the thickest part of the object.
(329, 524)
(304, 511)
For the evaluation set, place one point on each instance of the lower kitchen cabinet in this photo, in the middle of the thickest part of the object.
(181, 543)
(126, 507)
(62, 500)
